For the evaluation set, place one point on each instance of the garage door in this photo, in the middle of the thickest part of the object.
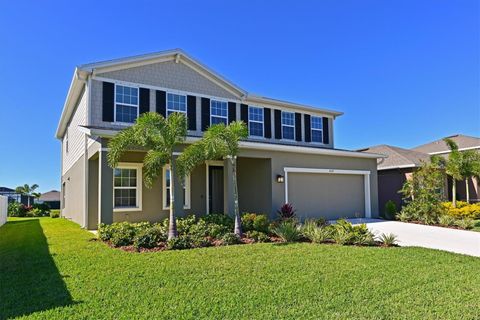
(327, 195)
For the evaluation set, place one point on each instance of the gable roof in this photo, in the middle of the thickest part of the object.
(397, 157)
(52, 195)
(439, 146)
(83, 72)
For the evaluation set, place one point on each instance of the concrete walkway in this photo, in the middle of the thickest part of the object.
(410, 234)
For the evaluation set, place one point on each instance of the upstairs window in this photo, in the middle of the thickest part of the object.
(176, 103)
(316, 124)
(288, 125)
(218, 112)
(255, 121)
(126, 104)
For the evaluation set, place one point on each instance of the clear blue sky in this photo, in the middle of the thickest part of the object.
(404, 72)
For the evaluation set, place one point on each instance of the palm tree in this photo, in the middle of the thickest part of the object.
(220, 141)
(453, 167)
(159, 136)
(27, 191)
(470, 168)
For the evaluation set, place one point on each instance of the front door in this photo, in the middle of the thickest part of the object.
(215, 189)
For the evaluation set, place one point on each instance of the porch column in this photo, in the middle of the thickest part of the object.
(178, 190)
(229, 197)
(105, 189)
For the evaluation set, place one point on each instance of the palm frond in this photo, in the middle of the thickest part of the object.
(153, 163)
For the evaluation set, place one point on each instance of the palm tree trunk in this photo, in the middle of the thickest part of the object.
(467, 191)
(28, 200)
(172, 226)
(238, 220)
(454, 193)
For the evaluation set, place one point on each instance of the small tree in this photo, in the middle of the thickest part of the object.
(470, 168)
(159, 136)
(218, 142)
(423, 193)
(453, 167)
(27, 191)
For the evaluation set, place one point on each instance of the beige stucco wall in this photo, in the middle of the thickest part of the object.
(74, 197)
(254, 185)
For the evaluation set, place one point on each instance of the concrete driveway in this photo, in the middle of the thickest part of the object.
(410, 234)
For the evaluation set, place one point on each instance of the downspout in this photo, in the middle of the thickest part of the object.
(85, 152)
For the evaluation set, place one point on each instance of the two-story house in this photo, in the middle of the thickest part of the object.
(288, 157)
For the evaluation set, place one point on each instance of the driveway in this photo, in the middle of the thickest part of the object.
(410, 234)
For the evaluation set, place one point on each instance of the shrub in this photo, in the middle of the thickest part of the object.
(288, 231)
(257, 236)
(16, 209)
(321, 234)
(217, 231)
(54, 213)
(388, 240)
(255, 222)
(219, 219)
(446, 220)
(390, 210)
(463, 210)
(286, 212)
(121, 233)
(466, 224)
(230, 239)
(180, 243)
(346, 233)
(40, 209)
(308, 228)
(149, 237)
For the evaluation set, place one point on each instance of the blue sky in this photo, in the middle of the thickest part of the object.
(405, 72)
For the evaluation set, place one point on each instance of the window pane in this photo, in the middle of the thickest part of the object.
(125, 197)
(255, 114)
(126, 114)
(317, 136)
(288, 132)
(176, 103)
(256, 129)
(218, 108)
(217, 120)
(316, 122)
(126, 95)
(288, 118)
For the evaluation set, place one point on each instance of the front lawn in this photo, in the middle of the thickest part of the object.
(50, 268)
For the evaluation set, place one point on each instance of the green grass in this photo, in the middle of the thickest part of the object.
(51, 269)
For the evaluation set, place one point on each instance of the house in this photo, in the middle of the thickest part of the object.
(290, 155)
(52, 198)
(397, 168)
(13, 196)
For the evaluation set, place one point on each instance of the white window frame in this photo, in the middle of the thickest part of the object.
(166, 103)
(125, 104)
(262, 122)
(138, 167)
(164, 189)
(223, 117)
(313, 129)
(288, 125)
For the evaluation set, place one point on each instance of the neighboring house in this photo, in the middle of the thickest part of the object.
(288, 157)
(394, 170)
(52, 198)
(13, 196)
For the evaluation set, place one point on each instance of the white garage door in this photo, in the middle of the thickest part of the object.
(328, 194)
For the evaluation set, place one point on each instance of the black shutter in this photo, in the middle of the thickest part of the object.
(144, 100)
(267, 120)
(108, 101)
(161, 102)
(192, 112)
(232, 112)
(205, 113)
(298, 126)
(278, 124)
(325, 130)
(308, 133)
(244, 113)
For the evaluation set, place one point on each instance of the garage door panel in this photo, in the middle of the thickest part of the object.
(330, 196)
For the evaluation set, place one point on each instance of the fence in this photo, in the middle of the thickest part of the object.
(3, 210)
